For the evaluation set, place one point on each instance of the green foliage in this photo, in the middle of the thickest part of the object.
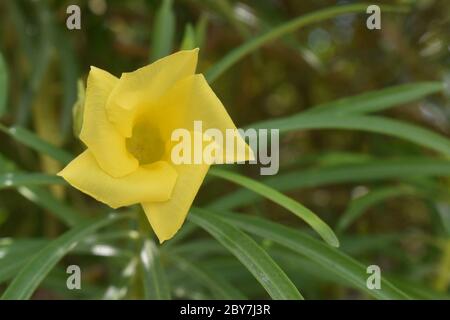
(163, 31)
(374, 164)
(236, 54)
(296, 208)
(3, 85)
(35, 270)
(329, 258)
(154, 278)
(249, 253)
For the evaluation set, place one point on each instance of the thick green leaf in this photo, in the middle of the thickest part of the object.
(251, 255)
(32, 274)
(156, 285)
(3, 85)
(378, 100)
(255, 43)
(288, 203)
(358, 206)
(374, 170)
(31, 140)
(163, 31)
(376, 124)
(330, 258)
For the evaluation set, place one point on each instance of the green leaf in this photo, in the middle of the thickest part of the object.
(358, 206)
(27, 184)
(221, 288)
(46, 200)
(201, 29)
(120, 286)
(40, 60)
(249, 253)
(378, 100)
(156, 285)
(328, 257)
(395, 128)
(69, 75)
(17, 179)
(32, 274)
(163, 31)
(198, 248)
(374, 170)
(357, 244)
(78, 109)
(15, 253)
(31, 140)
(3, 85)
(288, 203)
(418, 290)
(189, 42)
(248, 47)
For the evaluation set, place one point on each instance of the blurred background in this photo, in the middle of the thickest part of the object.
(401, 226)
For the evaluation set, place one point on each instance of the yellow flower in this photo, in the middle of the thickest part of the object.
(127, 126)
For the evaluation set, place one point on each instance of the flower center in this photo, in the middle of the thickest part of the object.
(145, 144)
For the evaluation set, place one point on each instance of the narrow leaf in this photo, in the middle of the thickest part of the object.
(3, 85)
(330, 258)
(189, 42)
(17, 179)
(221, 288)
(374, 170)
(288, 203)
(358, 206)
(154, 277)
(376, 124)
(378, 100)
(163, 31)
(32, 274)
(248, 47)
(31, 140)
(249, 253)
(46, 200)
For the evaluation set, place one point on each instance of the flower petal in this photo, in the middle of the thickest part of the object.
(153, 182)
(192, 99)
(100, 135)
(166, 218)
(142, 88)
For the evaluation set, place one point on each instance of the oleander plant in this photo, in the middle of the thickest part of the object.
(352, 97)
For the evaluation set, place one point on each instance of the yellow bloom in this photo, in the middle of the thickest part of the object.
(127, 126)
